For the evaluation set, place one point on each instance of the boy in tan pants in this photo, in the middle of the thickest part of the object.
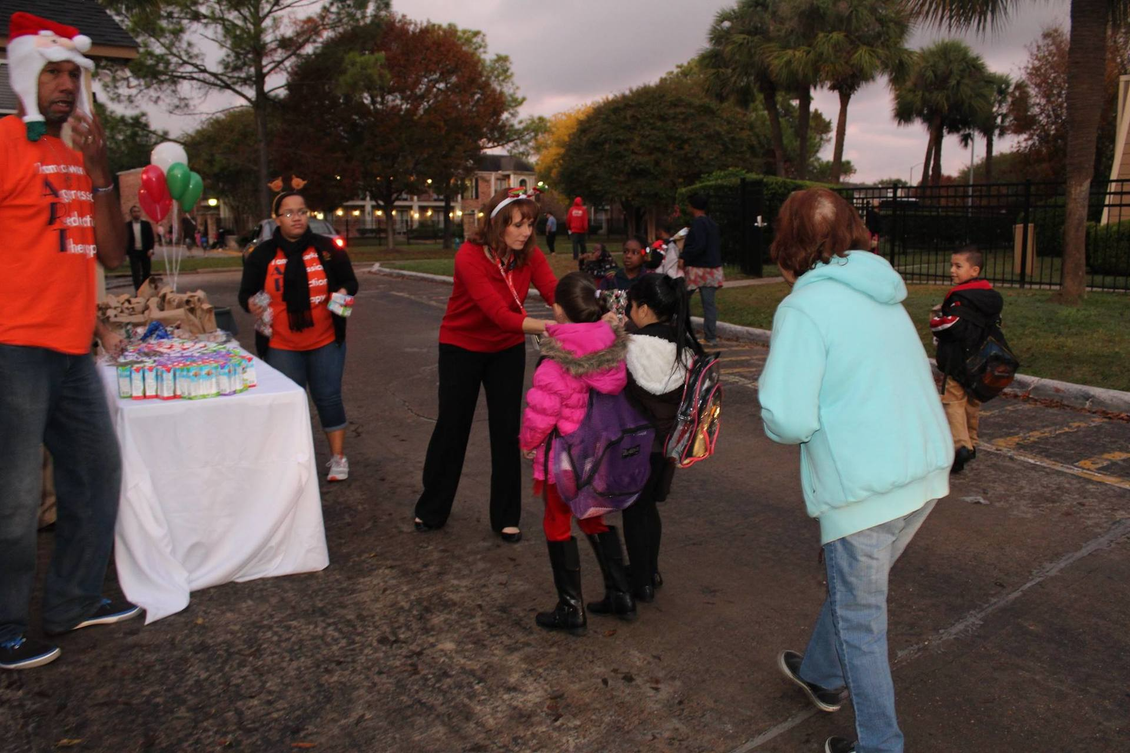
(960, 326)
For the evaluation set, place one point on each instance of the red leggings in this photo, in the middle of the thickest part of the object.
(558, 516)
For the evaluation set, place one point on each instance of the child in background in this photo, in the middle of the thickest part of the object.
(960, 325)
(579, 353)
(659, 353)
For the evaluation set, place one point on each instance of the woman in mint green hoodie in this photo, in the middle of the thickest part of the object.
(847, 379)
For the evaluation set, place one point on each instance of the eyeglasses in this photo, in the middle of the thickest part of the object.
(295, 213)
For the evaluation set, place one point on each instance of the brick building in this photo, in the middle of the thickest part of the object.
(495, 171)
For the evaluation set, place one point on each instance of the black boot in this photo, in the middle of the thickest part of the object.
(617, 593)
(960, 458)
(570, 611)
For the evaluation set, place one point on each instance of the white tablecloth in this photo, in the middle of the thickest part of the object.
(215, 491)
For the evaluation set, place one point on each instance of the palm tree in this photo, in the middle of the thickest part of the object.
(1086, 67)
(864, 38)
(736, 67)
(794, 61)
(1000, 122)
(947, 89)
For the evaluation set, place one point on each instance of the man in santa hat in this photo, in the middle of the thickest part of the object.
(59, 211)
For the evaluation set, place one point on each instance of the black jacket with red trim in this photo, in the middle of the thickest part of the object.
(968, 312)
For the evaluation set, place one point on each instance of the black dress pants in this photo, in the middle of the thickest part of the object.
(643, 528)
(140, 266)
(461, 372)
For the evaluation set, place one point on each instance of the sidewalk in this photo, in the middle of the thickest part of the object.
(1082, 396)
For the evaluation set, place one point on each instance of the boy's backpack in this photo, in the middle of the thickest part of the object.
(604, 465)
(992, 367)
(700, 413)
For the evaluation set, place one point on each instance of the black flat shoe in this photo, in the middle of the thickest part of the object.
(657, 579)
(511, 538)
(422, 527)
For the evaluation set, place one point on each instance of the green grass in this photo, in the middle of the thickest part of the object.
(358, 255)
(1088, 344)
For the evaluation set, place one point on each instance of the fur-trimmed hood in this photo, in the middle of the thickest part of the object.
(651, 362)
(588, 351)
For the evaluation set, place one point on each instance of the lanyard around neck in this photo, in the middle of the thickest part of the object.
(506, 275)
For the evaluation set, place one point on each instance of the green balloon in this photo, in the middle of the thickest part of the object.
(192, 192)
(176, 178)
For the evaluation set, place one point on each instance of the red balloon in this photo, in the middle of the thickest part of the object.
(155, 209)
(153, 181)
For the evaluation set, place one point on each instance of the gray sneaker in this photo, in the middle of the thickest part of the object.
(822, 698)
(339, 468)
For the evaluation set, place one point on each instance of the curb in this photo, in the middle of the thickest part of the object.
(1074, 395)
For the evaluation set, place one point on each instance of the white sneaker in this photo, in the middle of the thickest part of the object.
(339, 468)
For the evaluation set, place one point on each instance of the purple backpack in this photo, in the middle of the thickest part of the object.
(603, 466)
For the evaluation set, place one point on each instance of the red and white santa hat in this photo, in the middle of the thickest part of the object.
(33, 42)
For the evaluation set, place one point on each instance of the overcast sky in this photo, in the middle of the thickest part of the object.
(566, 54)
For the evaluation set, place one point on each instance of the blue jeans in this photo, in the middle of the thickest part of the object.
(320, 368)
(709, 313)
(54, 399)
(849, 644)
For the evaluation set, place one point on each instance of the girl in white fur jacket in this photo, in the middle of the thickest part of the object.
(659, 352)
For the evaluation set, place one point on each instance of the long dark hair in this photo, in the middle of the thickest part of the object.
(576, 294)
(669, 299)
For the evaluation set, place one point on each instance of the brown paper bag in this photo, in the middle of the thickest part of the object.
(174, 301)
(169, 318)
(190, 322)
(123, 318)
(154, 307)
(207, 317)
(148, 289)
(134, 306)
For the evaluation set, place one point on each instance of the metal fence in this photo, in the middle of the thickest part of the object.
(1017, 226)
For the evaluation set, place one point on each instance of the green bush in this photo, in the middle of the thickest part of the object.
(1108, 248)
(426, 229)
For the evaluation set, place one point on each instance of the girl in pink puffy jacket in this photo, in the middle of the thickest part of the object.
(580, 353)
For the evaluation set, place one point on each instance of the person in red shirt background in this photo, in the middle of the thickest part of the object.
(577, 223)
(60, 212)
(482, 343)
(300, 270)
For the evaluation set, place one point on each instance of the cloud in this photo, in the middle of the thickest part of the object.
(566, 54)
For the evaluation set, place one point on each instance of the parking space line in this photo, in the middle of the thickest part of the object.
(1102, 478)
(1053, 431)
(1093, 464)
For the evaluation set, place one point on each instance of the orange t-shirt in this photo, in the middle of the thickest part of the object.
(322, 333)
(47, 292)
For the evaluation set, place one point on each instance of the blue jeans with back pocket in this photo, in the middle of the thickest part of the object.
(849, 644)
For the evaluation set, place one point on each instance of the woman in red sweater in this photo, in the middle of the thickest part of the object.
(482, 341)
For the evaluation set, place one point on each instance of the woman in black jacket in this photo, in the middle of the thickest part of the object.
(300, 271)
(659, 353)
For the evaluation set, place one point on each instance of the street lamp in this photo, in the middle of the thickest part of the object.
(212, 202)
(911, 181)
